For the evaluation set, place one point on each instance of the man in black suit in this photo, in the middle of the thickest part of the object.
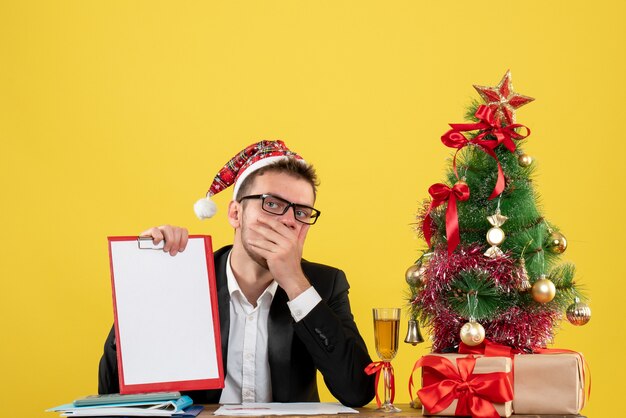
(281, 317)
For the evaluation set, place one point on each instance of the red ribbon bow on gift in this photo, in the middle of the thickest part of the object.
(475, 393)
(377, 367)
(440, 194)
(488, 125)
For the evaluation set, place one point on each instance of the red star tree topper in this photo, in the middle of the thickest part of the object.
(503, 99)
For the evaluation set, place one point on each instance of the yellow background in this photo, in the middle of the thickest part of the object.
(116, 115)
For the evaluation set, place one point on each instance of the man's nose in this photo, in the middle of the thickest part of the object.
(289, 218)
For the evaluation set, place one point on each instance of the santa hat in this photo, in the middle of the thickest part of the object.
(238, 168)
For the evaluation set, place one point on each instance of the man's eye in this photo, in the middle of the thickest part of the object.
(274, 206)
(303, 214)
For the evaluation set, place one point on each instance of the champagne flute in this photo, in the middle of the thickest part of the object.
(386, 331)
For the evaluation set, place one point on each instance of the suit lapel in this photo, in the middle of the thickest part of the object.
(280, 333)
(223, 301)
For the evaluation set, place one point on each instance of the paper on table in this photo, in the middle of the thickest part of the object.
(302, 408)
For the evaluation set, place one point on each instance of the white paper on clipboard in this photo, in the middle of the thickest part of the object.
(166, 317)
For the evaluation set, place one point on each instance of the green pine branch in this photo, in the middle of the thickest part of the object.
(473, 294)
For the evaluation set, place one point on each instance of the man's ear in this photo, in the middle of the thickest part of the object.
(234, 214)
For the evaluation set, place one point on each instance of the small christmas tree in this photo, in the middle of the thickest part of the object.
(492, 268)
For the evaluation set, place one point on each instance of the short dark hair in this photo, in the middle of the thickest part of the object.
(291, 166)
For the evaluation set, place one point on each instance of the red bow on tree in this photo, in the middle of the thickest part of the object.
(488, 125)
(475, 393)
(442, 193)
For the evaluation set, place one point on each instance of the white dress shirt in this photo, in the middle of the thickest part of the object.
(248, 376)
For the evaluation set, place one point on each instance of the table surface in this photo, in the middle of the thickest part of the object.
(370, 411)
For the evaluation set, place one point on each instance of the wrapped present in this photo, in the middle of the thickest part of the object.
(462, 385)
(549, 383)
(552, 381)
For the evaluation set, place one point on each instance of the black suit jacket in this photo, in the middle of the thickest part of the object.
(327, 339)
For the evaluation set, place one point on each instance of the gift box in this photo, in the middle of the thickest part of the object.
(548, 384)
(457, 384)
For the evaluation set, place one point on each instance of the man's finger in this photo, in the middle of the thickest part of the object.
(276, 225)
(168, 235)
(155, 233)
(184, 239)
(262, 245)
(176, 237)
(268, 233)
(302, 235)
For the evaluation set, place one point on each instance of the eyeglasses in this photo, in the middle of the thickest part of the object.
(279, 206)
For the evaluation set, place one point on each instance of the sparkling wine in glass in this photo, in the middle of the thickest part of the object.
(386, 334)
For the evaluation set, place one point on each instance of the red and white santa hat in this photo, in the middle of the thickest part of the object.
(238, 168)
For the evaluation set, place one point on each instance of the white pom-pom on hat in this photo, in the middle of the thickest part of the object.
(205, 208)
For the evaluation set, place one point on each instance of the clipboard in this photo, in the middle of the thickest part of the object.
(166, 316)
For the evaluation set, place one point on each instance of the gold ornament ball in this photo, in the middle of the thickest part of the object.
(416, 403)
(543, 290)
(414, 274)
(557, 243)
(495, 236)
(525, 160)
(472, 333)
(578, 313)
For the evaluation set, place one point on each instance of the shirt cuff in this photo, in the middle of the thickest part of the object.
(304, 303)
